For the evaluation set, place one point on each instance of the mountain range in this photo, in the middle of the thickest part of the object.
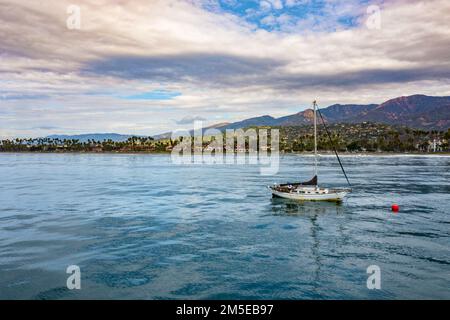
(416, 111)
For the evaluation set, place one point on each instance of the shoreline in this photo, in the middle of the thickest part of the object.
(320, 153)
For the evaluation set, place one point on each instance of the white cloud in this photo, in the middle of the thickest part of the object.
(265, 5)
(293, 3)
(277, 4)
(269, 20)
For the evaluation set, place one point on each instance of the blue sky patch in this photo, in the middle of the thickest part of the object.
(280, 15)
(154, 95)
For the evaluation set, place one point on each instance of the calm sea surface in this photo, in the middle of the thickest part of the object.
(141, 227)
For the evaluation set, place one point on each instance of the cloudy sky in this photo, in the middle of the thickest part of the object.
(149, 66)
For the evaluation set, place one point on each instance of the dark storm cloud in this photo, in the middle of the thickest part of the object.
(360, 78)
(237, 71)
(190, 67)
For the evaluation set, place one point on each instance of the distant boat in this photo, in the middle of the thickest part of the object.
(310, 190)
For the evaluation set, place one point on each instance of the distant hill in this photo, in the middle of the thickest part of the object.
(93, 136)
(258, 121)
(417, 111)
(342, 112)
(167, 135)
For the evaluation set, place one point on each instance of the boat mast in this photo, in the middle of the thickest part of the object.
(315, 138)
(334, 147)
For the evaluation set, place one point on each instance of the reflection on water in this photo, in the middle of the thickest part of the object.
(311, 211)
(141, 227)
(289, 207)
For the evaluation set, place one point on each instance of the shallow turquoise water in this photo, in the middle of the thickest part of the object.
(141, 227)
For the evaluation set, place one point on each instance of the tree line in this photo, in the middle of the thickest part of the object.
(362, 137)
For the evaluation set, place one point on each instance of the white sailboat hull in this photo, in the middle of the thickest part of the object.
(313, 196)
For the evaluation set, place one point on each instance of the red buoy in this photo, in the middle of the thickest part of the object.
(395, 207)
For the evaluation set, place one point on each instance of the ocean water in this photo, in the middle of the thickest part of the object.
(141, 227)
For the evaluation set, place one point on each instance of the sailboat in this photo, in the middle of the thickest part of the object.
(310, 190)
